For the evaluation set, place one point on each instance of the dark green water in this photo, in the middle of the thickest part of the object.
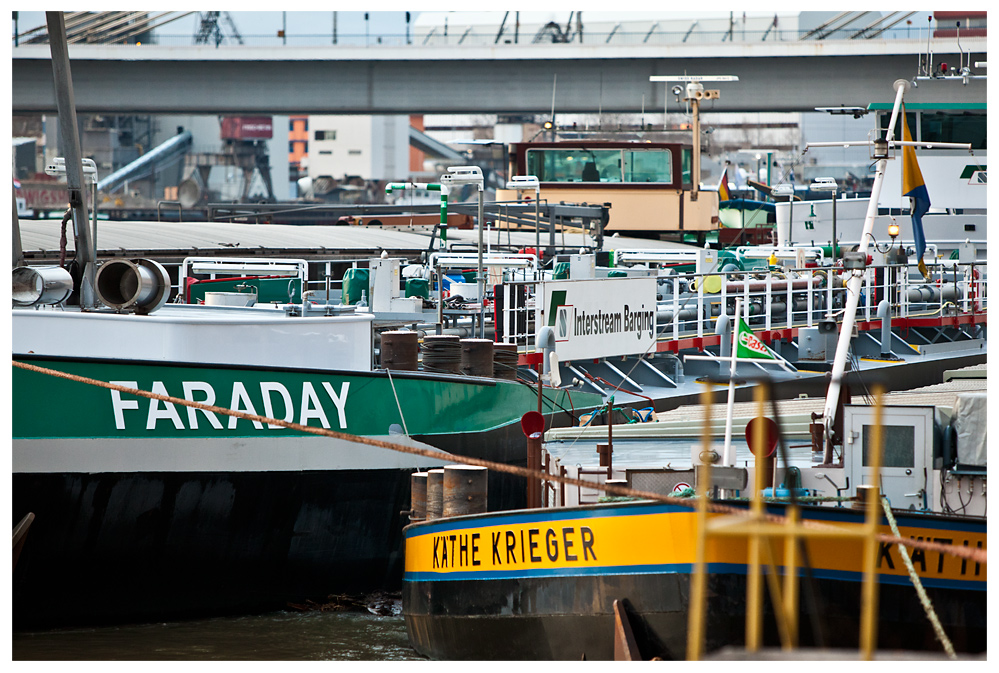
(315, 636)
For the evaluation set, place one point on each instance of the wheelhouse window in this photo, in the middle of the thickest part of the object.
(946, 127)
(579, 165)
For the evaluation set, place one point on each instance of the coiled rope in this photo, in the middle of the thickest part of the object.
(976, 555)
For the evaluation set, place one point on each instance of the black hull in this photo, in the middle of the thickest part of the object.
(108, 548)
(571, 618)
(117, 547)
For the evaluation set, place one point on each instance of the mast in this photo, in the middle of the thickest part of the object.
(69, 133)
(855, 281)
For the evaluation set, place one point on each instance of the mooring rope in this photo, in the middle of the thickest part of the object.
(931, 614)
(976, 555)
(397, 404)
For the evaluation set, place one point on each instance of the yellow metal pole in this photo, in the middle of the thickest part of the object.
(699, 578)
(775, 593)
(869, 601)
(791, 576)
(754, 586)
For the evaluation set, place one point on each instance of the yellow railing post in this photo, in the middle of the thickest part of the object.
(869, 599)
(757, 530)
(791, 576)
(699, 578)
(754, 585)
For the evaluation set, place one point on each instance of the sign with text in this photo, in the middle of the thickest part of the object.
(600, 317)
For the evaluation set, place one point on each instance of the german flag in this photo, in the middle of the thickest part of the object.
(723, 193)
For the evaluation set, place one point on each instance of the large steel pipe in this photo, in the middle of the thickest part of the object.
(141, 284)
(932, 294)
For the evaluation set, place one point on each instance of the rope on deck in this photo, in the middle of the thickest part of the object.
(976, 555)
(931, 614)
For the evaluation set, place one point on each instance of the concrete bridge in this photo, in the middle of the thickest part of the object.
(773, 77)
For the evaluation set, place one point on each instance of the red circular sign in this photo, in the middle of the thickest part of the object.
(769, 434)
(532, 423)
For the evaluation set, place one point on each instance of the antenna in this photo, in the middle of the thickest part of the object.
(963, 72)
(695, 93)
(554, 83)
(600, 103)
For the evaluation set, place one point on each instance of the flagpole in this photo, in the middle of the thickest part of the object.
(728, 454)
(854, 284)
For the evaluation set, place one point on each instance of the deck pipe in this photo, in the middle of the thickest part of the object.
(723, 328)
(545, 341)
(934, 294)
(884, 312)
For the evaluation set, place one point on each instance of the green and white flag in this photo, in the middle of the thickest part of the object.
(750, 347)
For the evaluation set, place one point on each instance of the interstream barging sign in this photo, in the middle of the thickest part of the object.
(600, 317)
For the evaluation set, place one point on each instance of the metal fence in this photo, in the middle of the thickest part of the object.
(439, 37)
(689, 304)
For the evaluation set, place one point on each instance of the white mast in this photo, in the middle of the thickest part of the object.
(855, 281)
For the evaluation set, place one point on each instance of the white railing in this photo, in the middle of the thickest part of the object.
(792, 299)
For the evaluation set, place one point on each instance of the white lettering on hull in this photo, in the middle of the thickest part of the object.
(119, 405)
(310, 408)
(192, 414)
(169, 411)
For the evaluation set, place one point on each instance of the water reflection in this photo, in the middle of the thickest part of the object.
(274, 636)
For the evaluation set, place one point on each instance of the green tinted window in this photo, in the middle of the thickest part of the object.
(648, 166)
(599, 165)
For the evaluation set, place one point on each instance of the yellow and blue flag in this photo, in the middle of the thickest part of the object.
(914, 187)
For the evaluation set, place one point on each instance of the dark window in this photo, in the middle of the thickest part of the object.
(899, 445)
(942, 127)
(325, 135)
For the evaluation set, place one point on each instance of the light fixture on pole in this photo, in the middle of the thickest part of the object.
(520, 182)
(695, 93)
(829, 185)
(472, 175)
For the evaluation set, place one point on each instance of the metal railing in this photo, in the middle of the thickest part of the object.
(479, 37)
(689, 304)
